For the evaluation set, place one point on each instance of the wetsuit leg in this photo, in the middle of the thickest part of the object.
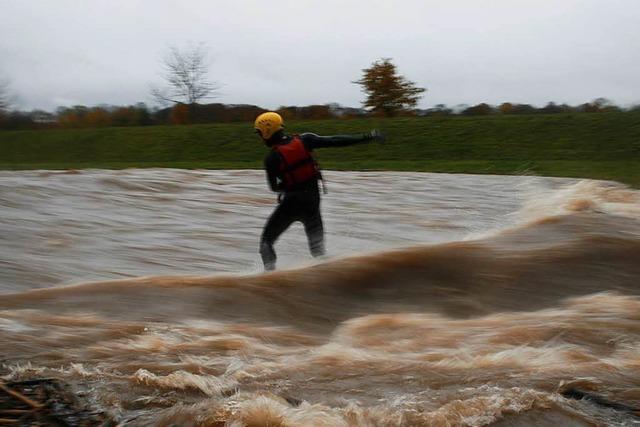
(278, 222)
(313, 226)
(315, 234)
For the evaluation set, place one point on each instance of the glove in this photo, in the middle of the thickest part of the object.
(376, 135)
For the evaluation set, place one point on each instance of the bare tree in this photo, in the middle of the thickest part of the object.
(185, 72)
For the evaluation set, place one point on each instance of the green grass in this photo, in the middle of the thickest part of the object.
(602, 146)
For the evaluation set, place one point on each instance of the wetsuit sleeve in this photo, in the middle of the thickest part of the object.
(271, 166)
(313, 141)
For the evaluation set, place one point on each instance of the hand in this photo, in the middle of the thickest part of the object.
(376, 135)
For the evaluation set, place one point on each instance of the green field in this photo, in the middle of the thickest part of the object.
(603, 146)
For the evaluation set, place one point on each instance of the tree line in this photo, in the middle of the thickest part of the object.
(80, 116)
(187, 85)
(140, 114)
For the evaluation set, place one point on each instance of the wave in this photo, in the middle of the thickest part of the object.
(527, 268)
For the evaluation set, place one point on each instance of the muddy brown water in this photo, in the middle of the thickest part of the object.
(452, 300)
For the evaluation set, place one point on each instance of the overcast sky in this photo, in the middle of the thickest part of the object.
(299, 52)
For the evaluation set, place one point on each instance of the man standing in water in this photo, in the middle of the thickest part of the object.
(293, 173)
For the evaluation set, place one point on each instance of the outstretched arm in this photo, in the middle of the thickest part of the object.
(313, 141)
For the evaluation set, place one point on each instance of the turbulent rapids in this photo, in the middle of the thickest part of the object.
(448, 300)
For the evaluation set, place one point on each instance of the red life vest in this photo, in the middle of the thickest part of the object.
(298, 165)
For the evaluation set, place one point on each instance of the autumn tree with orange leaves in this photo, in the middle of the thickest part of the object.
(388, 93)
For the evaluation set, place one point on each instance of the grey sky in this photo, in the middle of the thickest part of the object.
(272, 53)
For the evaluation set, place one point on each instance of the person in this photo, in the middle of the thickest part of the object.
(293, 173)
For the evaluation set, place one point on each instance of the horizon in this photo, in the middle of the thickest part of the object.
(456, 109)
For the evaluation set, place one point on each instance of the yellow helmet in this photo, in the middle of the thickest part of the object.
(268, 124)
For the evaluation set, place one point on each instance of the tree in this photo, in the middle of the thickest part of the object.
(388, 93)
(605, 106)
(179, 114)
(551, 108)
(482, 109)
(72, 117)
(506, 108)
(523, 109)
(438, 110)
(185, 72)
(97, 117)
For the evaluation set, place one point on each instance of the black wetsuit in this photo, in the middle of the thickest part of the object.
(301, 203)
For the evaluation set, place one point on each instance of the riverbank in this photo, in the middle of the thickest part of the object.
(599, 146)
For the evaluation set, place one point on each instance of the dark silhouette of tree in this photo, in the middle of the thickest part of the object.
(523, 109)
(604, 105)
(309, 112)
(439, 110)
(589, 107)
(482, 109)
(551, 108)
(185, 72)
(133, 115)
(388, 93)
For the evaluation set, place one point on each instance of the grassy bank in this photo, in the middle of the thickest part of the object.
(604, 146)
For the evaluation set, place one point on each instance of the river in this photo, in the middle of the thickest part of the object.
(453, 300)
